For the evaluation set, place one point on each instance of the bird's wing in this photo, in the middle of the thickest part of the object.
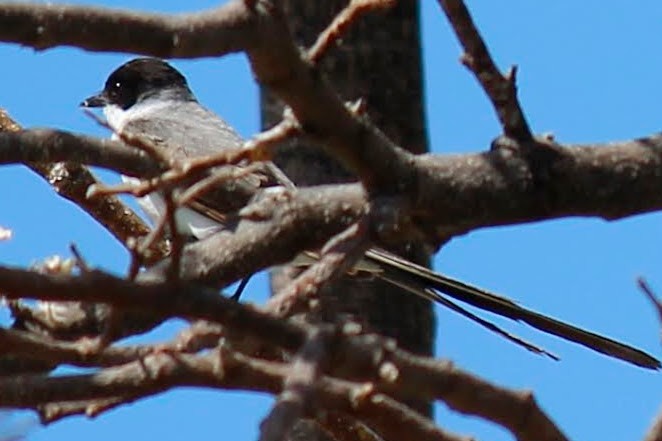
(425, 283)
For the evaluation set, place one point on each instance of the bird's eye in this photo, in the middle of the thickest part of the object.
(114, 89)
(121, 92)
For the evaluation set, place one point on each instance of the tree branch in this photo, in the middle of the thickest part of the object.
(217, 31)
(72, 181)
(499, 187)
(509, 186)
(501, 89)
(502, 186)
(400, 373)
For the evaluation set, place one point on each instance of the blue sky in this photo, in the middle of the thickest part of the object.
(588, 72)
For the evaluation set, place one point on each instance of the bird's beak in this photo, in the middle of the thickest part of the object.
(98, 100)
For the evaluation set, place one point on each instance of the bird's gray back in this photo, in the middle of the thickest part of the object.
(185, 128)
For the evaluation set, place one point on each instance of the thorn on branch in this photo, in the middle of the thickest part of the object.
(52, 412)
(78, 258)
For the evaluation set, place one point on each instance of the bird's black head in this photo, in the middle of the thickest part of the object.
(138, 80)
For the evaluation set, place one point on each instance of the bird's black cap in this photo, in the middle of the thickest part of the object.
(140, 79)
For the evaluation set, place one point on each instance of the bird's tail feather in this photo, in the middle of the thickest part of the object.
(426, 283)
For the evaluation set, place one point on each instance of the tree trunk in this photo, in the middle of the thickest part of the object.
(378, 60)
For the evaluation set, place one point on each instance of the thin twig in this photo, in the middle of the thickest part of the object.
(200, 335)
(341, 24)
(154, 235)
(657, 303)
(287, 128)
(81, 263)
(501, 89)
(177, 241)
(203, 186)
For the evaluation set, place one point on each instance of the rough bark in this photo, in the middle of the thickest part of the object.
(380, 62)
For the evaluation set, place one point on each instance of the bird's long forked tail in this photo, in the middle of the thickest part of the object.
(425, 283)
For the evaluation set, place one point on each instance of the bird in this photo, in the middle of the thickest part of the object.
(148, 97)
